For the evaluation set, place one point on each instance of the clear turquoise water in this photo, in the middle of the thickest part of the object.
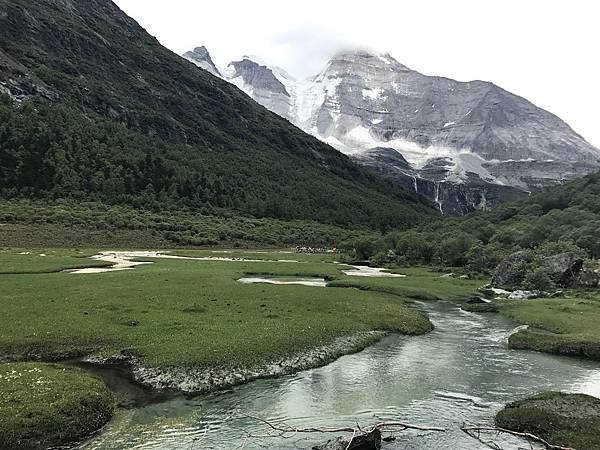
(462, 372)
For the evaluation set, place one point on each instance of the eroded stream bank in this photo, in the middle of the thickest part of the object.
(461, 372)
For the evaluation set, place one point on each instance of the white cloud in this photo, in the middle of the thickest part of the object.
(544, 50)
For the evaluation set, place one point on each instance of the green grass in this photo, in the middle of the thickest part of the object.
(566, 326)
(568, 420)
(45, 261)
(188, 313)
(44, 405)
(421, 283)
(273, 254)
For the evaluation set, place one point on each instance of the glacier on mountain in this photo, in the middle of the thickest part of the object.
(466, 145)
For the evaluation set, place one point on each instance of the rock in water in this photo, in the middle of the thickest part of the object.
(476, 300)
(365, 441)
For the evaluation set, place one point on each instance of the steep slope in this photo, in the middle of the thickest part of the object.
(99, 109)
(468, 145)
(562, 218)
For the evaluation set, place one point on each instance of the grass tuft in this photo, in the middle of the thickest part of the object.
(46, 405)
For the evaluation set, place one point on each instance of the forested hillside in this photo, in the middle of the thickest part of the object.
(96, 109)
(563, 217)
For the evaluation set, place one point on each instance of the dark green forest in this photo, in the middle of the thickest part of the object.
(564, 217)
(52, 151)
(100, 111)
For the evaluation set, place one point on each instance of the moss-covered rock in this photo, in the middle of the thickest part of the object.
(568, 420)
(480, 307)
(46, 405)
(558, 344)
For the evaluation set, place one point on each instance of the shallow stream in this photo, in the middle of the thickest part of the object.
(462, 372)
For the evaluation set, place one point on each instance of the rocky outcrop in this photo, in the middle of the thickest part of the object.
(454, 199)
(512, 270)
(269, 87)
(201, 57)
(365, 441)
(563, 268)
(588, 279)
(464, 145)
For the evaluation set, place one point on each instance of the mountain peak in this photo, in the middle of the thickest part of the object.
(201, 57)
(276, 70)
(362, 56)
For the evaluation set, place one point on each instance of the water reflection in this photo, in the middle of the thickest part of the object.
(461, 372)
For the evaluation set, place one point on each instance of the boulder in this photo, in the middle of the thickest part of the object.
(512, 270)
(365, 441)
(588, 279)
(563, 268)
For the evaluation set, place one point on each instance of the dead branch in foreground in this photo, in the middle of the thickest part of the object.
(285, 430)
(475, 431)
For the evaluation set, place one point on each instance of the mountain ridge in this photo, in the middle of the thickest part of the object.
(124, 120)
(488, 144)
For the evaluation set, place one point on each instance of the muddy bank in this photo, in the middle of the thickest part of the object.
(127, 260)
(193, 381)
(119, 379)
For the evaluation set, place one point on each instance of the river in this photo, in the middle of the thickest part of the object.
(460, 372)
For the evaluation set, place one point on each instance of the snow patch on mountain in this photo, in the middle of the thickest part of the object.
(469, 133)
(373, 94)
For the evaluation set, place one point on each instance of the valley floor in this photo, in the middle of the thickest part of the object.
(186, 313)
(190, 325)
(183, 324)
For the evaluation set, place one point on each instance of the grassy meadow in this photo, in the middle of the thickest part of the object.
(39, 261)
(420, 283)
(567, 325)
(191, 313)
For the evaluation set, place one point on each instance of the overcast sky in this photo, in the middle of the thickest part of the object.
(547, 51)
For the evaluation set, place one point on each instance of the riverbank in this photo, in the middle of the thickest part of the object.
(472, 375)
(189, 324)
(567, 325)
(418, 283)
(198, 380)
(47, 405)
(566, 420)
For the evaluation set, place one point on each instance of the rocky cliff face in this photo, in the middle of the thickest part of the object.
(201, 58)
(268, 86)
(466, 145)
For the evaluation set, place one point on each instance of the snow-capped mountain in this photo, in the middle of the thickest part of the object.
(466, 145)
(272, 87)
(201, 58)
